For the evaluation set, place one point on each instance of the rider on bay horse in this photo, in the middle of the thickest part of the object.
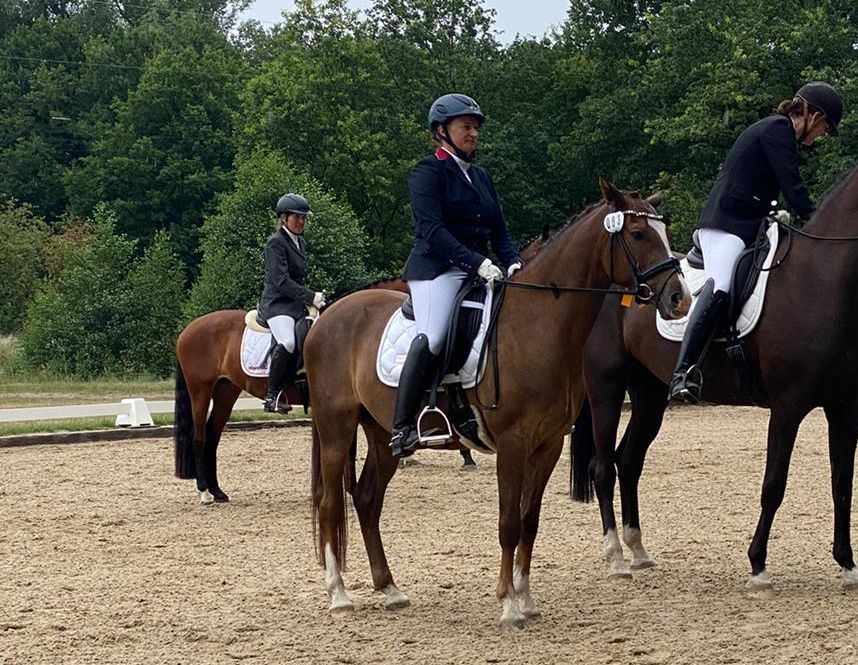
(285, 298)
(763, 161)
(456, 213)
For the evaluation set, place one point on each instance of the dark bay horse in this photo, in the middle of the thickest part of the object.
(806, 348)
(540, 333)
(208, 372)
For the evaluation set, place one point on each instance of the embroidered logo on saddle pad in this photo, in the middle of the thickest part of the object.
(399, 333)
(751, 311)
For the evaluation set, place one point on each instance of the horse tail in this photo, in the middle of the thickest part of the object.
(351, 471)
(339, 516)
(183, 429)
(582, 453)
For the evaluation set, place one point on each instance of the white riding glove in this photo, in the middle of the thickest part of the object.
(489, 271)
(319, 300)
(515, 266)
(782, 216)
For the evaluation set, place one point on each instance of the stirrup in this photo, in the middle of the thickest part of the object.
(687, 392)
(430, 437)
(274, 405)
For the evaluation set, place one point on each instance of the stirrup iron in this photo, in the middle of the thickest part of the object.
(433, 439)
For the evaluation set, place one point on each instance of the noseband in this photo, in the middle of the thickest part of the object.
(643, 292)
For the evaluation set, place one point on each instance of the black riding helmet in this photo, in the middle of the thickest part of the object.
(292, 203)
(822, 96)
(447, 107)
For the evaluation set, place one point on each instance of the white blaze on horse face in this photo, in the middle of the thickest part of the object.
(661, 229)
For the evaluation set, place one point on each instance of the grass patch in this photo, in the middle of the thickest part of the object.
(35, 390)
(107, 422)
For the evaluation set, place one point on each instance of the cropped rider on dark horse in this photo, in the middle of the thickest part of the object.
(456, 214)
(763, 161)
(285, 298)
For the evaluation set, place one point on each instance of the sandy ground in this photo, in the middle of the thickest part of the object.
(106, 558)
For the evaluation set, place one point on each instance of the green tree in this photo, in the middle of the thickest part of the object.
(23, 237)
(232, 271)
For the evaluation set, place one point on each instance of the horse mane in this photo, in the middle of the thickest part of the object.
(835, 190)
(569, 222)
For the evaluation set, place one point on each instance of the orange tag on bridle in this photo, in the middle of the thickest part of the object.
(626, 300)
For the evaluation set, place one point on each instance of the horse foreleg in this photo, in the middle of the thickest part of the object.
(510, 470)
(368, 496)
(842, 438)
(783, 427)
(539, 468)
(224, 397)
(200, 398)
(649, 399)
(468, 463)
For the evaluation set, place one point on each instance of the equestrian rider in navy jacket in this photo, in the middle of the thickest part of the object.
(456, 215)
(762, 162)
(285, 298)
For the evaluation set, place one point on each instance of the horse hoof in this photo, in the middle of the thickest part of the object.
(206, 498)
(620, 572)
(760, 586)
(849, 578)
(643, 564)
(341, 609)
(397, 603)
(531, 612)
(513, 623)
(220, 496)
(468, 467)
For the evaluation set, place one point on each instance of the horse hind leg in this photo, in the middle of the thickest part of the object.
(332, 438)
(223, 399)
(539, 468)
(200, 395)
(649, 400)
(368, 496)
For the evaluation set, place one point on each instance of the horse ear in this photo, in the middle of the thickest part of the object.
(546, 232)
(611, 194)
(655, 199)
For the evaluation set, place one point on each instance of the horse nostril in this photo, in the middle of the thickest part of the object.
(676, 298)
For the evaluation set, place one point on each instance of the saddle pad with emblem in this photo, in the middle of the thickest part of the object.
(255, 347)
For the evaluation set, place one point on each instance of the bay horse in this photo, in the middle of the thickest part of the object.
(806, 349)
(539, 331)
(208, 372)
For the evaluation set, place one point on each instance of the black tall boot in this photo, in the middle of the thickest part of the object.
(281, 370)
(416, 370)
(687, 381)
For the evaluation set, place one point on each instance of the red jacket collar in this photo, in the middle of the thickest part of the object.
(441, 154)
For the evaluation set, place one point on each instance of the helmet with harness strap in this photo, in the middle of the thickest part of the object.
(821, 96)
(294, 203)
(446, 108)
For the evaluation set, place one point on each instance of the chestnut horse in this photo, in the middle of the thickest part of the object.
(208, 372)
(548, 309)
(805, 347)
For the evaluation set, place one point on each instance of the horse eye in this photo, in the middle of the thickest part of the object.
(637, 235)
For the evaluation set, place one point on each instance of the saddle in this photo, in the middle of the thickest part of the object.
(302, 327)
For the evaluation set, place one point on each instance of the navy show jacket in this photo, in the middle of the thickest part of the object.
(454, 220)
(762, 162)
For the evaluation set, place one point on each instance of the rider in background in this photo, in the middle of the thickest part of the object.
(762, 163)
(285, 298)
(456, 214)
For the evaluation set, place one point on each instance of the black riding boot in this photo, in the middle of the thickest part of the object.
(281, 371)
(687, 377)
(412, 384)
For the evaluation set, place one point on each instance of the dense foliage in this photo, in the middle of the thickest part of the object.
(183, 121)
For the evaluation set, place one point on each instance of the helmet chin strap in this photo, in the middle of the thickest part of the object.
(445, 138)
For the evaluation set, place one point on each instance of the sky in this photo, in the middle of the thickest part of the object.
(526, 17)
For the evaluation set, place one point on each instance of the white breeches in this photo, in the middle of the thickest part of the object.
(283, 329)
(433, 305)
(721, 250)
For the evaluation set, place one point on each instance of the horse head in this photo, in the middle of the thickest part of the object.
(640, 251)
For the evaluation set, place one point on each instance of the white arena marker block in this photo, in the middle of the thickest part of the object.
(136, 413)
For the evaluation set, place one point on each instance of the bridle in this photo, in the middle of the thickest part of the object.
(642, 293)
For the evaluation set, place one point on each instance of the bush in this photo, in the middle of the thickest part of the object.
(104, 313)
(22, 267)
(232, 272)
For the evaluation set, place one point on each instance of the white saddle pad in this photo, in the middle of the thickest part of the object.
(674, 330)
(399, 333)
(254, 352)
